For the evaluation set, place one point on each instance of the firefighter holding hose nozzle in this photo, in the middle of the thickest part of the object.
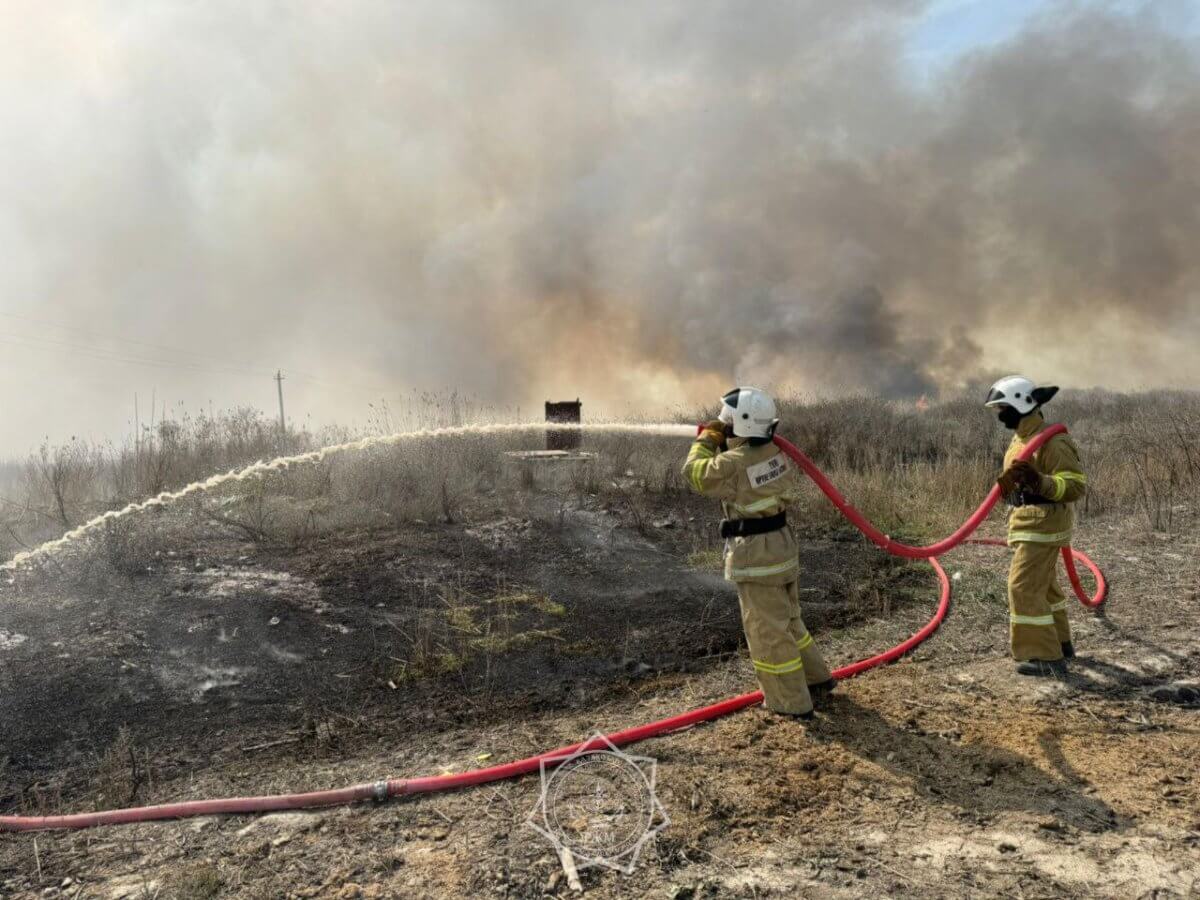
(1041, 493)
(735, 461)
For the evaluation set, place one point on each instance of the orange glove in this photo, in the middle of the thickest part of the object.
(714, 433)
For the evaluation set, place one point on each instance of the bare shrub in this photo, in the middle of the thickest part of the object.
(130, 546)
(122, 772)
(60, 480)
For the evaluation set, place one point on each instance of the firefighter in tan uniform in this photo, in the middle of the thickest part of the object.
(1041, 493)
(735, 461)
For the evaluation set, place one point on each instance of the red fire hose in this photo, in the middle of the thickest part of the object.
(381, 790)
(965, 530)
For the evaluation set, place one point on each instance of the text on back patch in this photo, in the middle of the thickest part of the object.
(767, 471)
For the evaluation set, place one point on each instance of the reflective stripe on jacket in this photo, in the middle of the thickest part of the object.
(751, 483)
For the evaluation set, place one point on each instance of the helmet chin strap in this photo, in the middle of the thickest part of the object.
(1010, 418)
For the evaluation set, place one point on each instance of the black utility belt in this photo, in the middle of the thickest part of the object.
(746, 527)
(1022, 499)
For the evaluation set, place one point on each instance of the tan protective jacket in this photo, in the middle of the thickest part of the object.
(751, 483)
(1063, 481)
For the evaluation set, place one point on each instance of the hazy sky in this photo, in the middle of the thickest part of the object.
(633, 203)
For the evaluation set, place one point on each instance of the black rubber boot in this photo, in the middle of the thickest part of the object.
(1042, 668)
(821, 691)
(1068, 650)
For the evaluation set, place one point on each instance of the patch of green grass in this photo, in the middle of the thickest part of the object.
(578, 648)
(502, 643)
(531, 600)
(461, 631)
(708, 560)
(429, 665)
(462, 618)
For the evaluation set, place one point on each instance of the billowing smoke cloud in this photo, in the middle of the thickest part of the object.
(615, 200)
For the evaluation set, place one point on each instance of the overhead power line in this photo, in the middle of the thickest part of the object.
(165, 357)
(180, 358)
(29, 342)
(87, 332)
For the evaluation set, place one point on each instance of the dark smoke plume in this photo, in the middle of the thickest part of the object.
(612, 200)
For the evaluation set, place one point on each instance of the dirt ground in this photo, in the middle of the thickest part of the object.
(234, 670)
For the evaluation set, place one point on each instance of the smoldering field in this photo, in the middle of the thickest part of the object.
(435, 606)
(915, 469)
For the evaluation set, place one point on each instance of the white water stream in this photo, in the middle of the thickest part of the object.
(283, 462)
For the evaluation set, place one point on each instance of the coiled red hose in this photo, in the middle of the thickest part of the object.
(381, 790)
(1070, 555)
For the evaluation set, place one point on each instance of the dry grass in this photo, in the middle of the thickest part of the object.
(915, 472)
(199, 881)
(922, 471)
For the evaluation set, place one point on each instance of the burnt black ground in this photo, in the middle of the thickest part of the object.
(224, 644)
(943, 776)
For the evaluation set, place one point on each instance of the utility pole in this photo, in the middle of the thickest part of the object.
(282, 420)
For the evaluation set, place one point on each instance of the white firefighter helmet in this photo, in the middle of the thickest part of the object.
(1018, 392)
(749, 412)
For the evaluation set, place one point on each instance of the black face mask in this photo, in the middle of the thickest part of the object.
(1009, 418)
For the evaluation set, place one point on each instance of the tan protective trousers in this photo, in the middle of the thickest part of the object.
(785, 658)
(1037, 607)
